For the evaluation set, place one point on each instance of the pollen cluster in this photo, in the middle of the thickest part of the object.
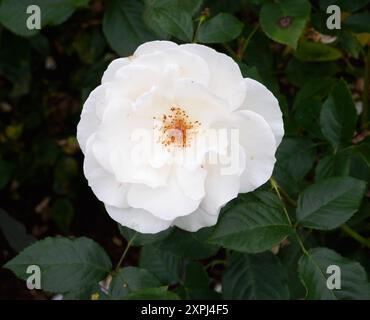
(176, 128)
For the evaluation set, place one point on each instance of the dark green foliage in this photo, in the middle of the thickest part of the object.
(274, 243)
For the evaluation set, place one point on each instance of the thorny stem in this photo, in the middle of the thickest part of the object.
(353, 234)
(124, 253)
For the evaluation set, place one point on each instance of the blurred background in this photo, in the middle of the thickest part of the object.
(46, 75)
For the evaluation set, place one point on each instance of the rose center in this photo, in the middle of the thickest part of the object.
(176, 128)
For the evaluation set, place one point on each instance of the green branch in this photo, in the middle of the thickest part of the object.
(353, 234)
(276, 187)
(241, 50)
(124, 253)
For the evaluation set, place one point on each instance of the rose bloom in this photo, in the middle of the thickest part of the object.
(173, 133)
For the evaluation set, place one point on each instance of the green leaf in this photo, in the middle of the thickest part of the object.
(317, 51)
(222, 28)
(164, 265)
(131, 279)
(196, 284)
(196, 276)
(191, 6)
(142, 239)
(254, 225)
(314, 89)
(300, 72)
(307, 116)
(358, 220)
(334, 165)
(289, 255)
(254, 277)
(13, 14)
(329, 203)
(284, 21)
(358, 22)
(123, 26)
(14, 232)
(152, 294)
(350, 43)
(66, 264)
(338, 116)
(364, 150)
(359, 167)
(192, 245)
(313, 272)
(285, 180)
(296, 155)
(258, 54)
(250, 72)
(168, 18)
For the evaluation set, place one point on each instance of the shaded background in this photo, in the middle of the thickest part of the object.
(45, 78)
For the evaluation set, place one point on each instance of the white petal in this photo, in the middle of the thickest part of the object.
(110, 73)
(138, 219)
(196, 220)
(127, 170)
(223, 178)
(199, 104)
(191, 182)
(124, 146)
(259, 146)
(188, 65)
(168, 202)
(100, 148)
(226, 80)
(261, 100)
(194, 98)
(220, 189)
(133, 80)
(103, 183)
(154, 46)
(90, 115)
(112, 132)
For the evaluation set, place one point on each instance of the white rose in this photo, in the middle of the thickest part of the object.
(145, 133)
